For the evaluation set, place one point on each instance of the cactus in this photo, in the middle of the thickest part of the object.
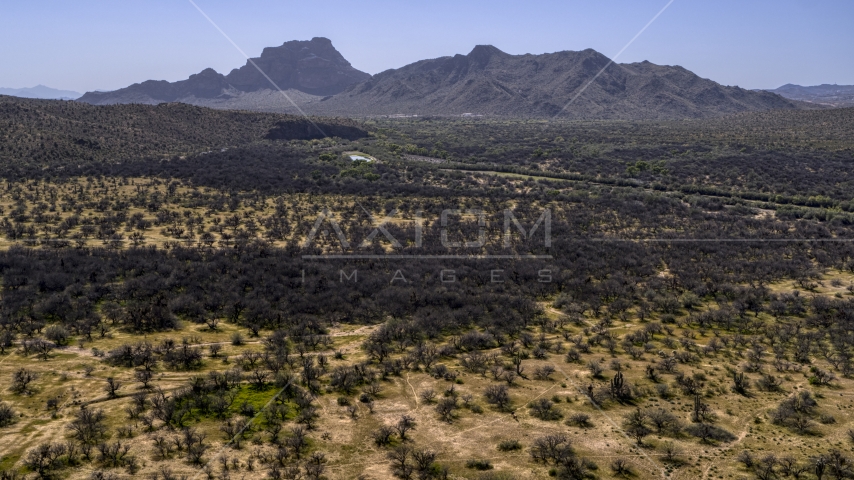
(651, 373)
(618, 386)
(740, 383)
(701, 413)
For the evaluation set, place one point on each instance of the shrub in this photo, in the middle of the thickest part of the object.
(579, 420)
(479, 464)
(248, 410)
(827, 419)
(544, 410)
(509, 445)
(707, 432)
(57, 334)
(383, 435)
(7, 415)
(497, 395)
(621, 467)
(496, 476)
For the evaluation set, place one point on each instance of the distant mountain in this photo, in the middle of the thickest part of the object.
(486, 81)
(832, 95)
(40, 91)
(489, 81)
(314, 67)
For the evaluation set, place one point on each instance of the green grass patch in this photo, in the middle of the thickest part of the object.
(8, 461)
(256, 398)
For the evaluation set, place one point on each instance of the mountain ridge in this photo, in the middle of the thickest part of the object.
(485, 81)
(41, 92)
(314, 67)
(490, 81)
(825, 94)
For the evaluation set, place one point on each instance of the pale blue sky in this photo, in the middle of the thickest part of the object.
(107, 44)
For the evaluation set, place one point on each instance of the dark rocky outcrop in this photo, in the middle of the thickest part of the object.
(303, 129)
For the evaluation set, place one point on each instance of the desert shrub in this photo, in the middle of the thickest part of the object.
(479, 464)
(796, 411)
(544, 409)
(579, 420)
(709, 433)
(57, 334)
(621, 467)
(496, 476)
(509, 445)
(7, 415)
(826, 419)
(383, 435)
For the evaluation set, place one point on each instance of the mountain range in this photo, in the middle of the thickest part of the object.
(314, 67)
(830, 95)
(40, 91)
(573, 84)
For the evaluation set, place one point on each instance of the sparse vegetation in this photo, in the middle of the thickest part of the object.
(155, 312)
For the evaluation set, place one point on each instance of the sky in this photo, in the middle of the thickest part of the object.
(89, 45)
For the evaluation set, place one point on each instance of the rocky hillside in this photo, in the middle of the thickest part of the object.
(489, 81)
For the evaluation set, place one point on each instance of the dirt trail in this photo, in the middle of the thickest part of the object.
(414, 395)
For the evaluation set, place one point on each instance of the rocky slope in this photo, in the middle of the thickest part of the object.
(489, 81)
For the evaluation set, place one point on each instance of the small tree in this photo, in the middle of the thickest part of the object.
(595, 368)
(428, 395)
(7, 339)
(404, 425)
(497, 395)
(7, 415)
(621, 467)
(544, 410)
(424, 461)
(144, 377)
(112, 386)
(635, 425)
(382, 436)
(671, 452)
(400, 461)
(446, 407)
(21, 380)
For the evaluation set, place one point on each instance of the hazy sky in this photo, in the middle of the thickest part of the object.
(107, 44)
